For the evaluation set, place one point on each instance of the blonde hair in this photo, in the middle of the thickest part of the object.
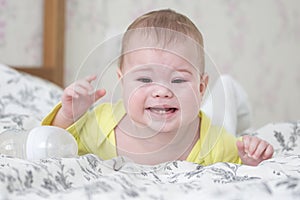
(166, 27)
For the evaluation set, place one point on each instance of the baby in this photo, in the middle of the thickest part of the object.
(163, 80)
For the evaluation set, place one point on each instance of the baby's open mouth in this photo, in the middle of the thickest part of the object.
(162, 111)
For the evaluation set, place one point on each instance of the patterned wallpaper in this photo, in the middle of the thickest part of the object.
(21, 33)
(257, 42)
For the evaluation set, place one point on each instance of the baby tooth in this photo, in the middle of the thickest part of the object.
(161, 112)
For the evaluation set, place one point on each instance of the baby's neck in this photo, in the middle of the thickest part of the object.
(159, 147)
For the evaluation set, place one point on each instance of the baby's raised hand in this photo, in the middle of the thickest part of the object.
(78, 97)
(252, 150)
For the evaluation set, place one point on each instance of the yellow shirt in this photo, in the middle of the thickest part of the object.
(94, 133)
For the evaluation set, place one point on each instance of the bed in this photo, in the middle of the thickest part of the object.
(25, 99)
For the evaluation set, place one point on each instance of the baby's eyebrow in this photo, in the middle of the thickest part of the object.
(142, 69)
(182, 70)
(152, 68)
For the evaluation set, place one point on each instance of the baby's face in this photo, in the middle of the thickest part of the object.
(161, 90)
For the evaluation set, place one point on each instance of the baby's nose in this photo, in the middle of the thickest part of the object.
(162, 92)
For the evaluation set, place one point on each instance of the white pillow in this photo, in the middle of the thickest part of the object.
(24, 99)
(284, 136)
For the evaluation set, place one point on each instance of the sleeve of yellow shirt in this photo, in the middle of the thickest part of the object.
(74, 129)
(225, 149)
(214, 145)
(218, 146)
(94, 131)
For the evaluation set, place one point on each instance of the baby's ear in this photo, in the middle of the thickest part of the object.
(203, 83)
(119, 72)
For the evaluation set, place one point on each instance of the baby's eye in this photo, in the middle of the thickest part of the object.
(144, 80)
(178, 81)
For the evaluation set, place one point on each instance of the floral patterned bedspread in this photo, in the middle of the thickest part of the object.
(88, 177)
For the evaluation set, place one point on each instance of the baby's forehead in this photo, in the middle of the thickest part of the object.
(148, 60)
(178, 43)
(152, 57)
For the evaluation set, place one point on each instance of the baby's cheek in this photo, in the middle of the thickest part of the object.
(191, 98)
(189, 109)
(134, 101)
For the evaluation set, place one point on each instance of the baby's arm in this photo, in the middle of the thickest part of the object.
(76, 100)
(252, 150)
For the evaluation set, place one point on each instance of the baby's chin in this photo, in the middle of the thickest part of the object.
(154, 126)
(161, 126)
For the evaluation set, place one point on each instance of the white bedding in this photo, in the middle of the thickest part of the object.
(24, 100)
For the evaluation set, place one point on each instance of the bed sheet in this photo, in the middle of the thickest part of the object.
(88, 177)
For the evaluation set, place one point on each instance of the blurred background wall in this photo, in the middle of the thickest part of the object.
(257, 42)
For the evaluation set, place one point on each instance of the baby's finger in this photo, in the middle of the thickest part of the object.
(260, 149)
(246, 141)
(98, 94)
(90, 78)
(69, 92)
(81, 90)
(253, 146)
(240, 147)
(268, 152)
(84, 84)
